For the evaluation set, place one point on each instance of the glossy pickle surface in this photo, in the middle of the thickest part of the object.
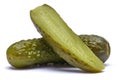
(25, 53)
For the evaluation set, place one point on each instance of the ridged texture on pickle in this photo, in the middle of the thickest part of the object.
(98, 45)
(25, 53)
(63, 40)
(28, 52)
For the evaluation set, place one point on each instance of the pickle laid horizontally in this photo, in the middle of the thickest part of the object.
(32, 51)
(26, 53)
(63, 40)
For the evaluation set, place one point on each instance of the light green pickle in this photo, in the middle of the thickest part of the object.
(63, 40)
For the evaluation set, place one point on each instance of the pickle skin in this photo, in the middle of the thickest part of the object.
(99, 45)
(26, 53)
(72, 49)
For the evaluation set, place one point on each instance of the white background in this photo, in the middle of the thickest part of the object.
(100, 17)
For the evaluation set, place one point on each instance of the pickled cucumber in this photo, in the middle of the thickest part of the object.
(63, 40)
(25, 53)
(99, 45)
(28, 52)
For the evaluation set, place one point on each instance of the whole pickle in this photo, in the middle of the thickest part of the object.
(36, 51)
(28, 52)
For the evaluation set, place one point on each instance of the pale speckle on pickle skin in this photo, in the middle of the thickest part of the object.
(32, 54)
(19, 53)
(29, 53)
(29, 56)
(38, 55)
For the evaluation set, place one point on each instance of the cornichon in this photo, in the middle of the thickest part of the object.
(28, 52)
(99, 46)
(25, 53)
(63, 40)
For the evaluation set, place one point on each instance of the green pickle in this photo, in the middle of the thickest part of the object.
(26, 53)
(32, 51)
(98, 45)
(63, 40)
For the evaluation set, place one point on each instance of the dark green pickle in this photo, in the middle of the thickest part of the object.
(36, 51)
(32, 51)
(98, 45)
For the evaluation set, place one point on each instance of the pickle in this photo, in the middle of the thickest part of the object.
(28, 52)
(99, 45)
(63, 40)
(25, 53)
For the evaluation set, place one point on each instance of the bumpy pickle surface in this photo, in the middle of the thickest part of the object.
(99, 45)
(25, 53)
(28, 52)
